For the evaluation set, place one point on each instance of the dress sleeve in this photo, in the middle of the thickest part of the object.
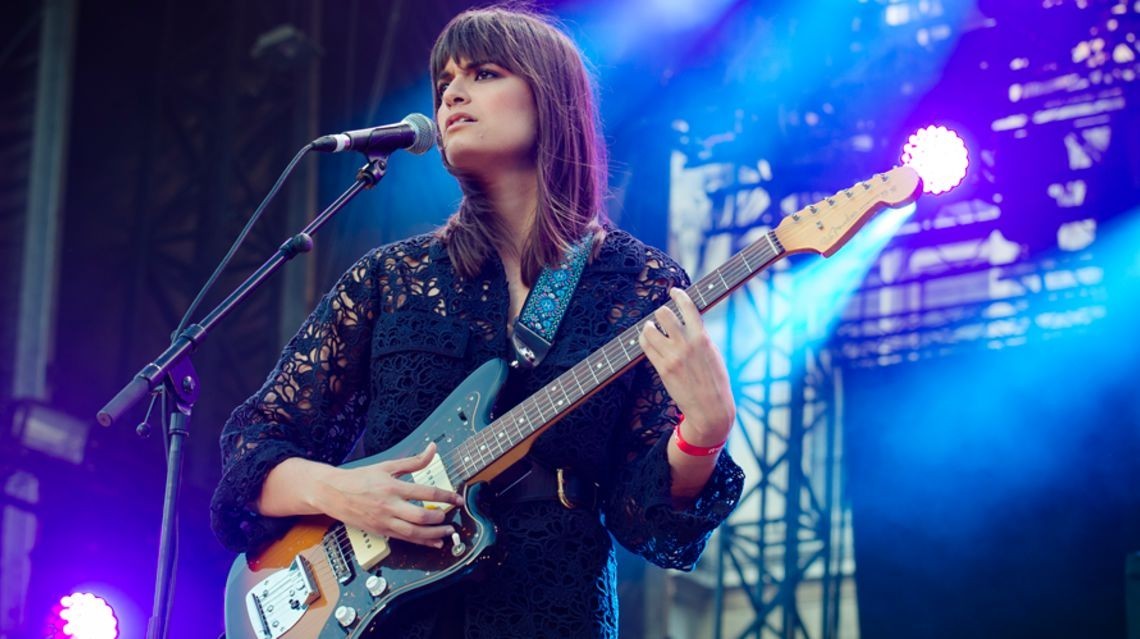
(312, 405)
(639, 509)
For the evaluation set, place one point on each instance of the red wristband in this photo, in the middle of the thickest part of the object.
(696, 451)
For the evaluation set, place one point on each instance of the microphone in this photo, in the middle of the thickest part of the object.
(415, 133)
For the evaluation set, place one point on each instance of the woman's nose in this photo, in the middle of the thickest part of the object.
(454, 95)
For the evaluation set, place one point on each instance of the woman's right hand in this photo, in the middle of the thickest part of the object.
(372, 498)
(375, 499)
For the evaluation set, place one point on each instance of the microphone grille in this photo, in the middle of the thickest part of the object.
(424, 128)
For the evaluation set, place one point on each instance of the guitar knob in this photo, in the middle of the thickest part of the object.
(345, 615)
(457, 545)
(376, 585)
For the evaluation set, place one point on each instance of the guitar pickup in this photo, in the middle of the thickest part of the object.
(369, 549)
(435, 475)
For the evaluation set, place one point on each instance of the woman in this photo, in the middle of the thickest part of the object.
(410, 320)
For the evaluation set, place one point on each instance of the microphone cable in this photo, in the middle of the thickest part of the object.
(240, 238)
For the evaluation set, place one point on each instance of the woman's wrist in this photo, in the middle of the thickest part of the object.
(323, 488)
(699, 448)
(289, 489)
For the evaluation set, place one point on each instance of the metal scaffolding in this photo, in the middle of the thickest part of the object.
(788, 536)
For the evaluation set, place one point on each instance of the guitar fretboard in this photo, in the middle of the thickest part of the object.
(555, 400)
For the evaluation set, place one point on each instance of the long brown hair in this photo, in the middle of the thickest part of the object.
(570, 158)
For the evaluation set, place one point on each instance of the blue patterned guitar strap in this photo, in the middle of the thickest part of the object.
(542, 314)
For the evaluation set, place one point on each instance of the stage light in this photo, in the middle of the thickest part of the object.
(940, 157)
(82, 615)
(44, 429)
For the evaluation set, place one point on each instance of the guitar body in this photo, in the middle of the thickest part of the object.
(317, 550)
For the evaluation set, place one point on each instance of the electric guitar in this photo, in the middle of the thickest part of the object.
(326, 580)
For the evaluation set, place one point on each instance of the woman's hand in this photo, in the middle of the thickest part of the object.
(692, 370)
(371, 498)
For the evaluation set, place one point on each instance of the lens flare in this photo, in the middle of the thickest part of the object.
(939, 156)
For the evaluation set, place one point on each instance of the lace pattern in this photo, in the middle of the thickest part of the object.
(394, 336)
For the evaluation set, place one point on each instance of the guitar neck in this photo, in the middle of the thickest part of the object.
(543, 409)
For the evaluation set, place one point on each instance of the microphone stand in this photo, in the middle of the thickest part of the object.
(173, 373)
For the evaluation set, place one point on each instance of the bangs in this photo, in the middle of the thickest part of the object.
(484, 36)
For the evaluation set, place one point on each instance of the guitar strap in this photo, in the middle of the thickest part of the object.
(542, 313)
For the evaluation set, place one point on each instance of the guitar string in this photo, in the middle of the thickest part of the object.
(559, 393)
(339, 533)
(319, 567)
(614, 356)
(531, 413)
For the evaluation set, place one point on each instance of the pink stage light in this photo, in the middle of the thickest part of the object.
(939, 156)
(83, 615)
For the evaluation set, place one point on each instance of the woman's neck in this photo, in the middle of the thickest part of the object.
(513, 196)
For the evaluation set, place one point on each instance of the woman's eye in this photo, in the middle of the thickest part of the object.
(442, 87)
(483, 74)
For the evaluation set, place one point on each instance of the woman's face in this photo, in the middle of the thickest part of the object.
(486, 117)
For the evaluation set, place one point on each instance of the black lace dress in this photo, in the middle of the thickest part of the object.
(396, 334)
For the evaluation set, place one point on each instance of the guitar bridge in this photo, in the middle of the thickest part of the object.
(279, 601)
(334, 550)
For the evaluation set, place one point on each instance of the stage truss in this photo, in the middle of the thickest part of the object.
(1013, 259)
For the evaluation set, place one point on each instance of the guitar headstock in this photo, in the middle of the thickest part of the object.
(825, 226)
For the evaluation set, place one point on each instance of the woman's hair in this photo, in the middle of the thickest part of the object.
(570, 155)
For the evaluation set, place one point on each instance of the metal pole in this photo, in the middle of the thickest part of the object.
(40, 268)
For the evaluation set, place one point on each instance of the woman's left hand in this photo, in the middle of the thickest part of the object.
(692, 370)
